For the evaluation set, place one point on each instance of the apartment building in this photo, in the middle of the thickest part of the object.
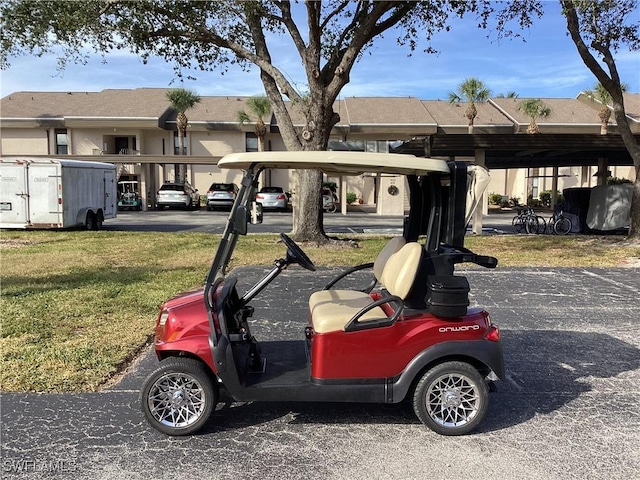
(136, 130)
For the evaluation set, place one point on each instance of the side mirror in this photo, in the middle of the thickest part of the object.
(256, 213)
(240, 218)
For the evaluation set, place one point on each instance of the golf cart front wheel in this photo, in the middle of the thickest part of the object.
(451, 398)
(178, 397)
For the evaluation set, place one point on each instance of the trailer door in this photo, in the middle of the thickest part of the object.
(45, 195)
(110, 195)
(14, 195)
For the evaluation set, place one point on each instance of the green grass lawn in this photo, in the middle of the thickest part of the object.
(77, 306)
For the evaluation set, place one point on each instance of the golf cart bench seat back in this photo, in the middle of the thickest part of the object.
(333, 310)
(391, 247)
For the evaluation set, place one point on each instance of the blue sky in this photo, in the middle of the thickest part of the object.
(545, 64)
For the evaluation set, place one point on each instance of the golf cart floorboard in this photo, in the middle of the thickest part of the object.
(283, 363)
(285, 373)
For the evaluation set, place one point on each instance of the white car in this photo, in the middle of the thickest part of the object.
(178, 195)
(272, 197)
(221, 195)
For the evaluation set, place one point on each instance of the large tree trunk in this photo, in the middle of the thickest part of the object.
(179, 169)
(634, 232)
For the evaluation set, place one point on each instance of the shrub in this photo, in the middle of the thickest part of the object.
(545, 198)
(351, 197)
(618, 181)
(495, 199)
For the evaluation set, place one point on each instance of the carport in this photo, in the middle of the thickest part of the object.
(503, 151)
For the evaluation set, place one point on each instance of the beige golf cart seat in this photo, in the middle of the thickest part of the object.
(333, 310)
(391, 247)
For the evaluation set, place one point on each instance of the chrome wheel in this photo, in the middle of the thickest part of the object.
(176, 400)
(179, 396)
(452, 400)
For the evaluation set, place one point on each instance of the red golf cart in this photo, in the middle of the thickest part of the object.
(409, 334)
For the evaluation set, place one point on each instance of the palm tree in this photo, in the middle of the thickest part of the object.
(510, 94)
(601, 95)
(260, 107)
(471, 91)
(534, 108)
(182, 100)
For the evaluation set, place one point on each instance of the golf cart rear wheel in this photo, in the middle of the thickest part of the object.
(179, 396)
(451, 398)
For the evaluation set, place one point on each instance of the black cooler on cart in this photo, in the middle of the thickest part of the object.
(437, 289)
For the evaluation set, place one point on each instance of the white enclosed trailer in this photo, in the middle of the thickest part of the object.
(54, 193)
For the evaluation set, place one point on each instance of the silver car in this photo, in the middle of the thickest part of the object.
(221, 195)
(272, 197)
(178, 195)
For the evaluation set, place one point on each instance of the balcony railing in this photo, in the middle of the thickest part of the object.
(123, 151)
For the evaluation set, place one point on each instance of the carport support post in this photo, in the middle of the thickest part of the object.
(554, 188)
(145, 180)
(482, 208)
(603, 167)
(343, 195)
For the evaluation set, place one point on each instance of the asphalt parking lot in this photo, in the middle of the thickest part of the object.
(569, 408)
(275, 222)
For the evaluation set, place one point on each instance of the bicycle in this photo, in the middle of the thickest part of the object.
(527, 220)
(558, 224)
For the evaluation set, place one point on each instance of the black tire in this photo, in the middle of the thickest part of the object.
(562, 226)
(516, 220)
(179, 396)
(531, 224)
(451, 398)
(518, 224)
(542, 225)
(99, 221)
(90, 221)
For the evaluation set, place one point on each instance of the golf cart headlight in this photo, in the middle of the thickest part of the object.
(163, 318)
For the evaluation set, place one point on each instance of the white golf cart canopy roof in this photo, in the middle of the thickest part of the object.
(336, 163)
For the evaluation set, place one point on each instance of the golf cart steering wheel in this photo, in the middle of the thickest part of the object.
(296, 255)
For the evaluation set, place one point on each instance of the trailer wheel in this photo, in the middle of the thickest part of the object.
(99, 221)
(91, 222)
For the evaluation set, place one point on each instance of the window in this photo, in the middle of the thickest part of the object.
(251, 142)
(62, 141)
(380, 146)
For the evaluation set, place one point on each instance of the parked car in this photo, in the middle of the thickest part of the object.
(272, 197)
(221, 195)
(178, 195)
